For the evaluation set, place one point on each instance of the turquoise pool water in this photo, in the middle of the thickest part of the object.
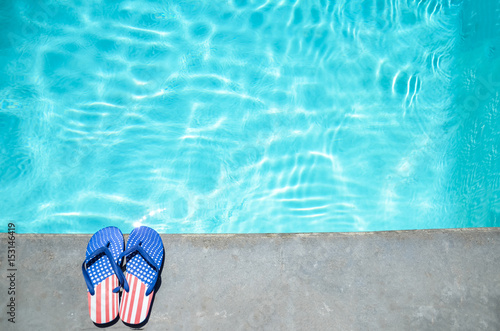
(249, 116)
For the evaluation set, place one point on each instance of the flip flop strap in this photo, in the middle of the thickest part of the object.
(148, 258)
(116, 269)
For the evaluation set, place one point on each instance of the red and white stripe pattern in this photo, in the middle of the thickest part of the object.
(103, 305)
(135, 304)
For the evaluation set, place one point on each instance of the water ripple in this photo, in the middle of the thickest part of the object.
(239, 116)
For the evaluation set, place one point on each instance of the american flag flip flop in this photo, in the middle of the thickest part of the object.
(102, 274)
(144, 255)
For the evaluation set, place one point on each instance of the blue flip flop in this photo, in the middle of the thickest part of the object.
(102, 274)
(144, 255)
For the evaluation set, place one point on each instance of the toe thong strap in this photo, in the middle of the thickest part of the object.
(145, 255)
(116, 269)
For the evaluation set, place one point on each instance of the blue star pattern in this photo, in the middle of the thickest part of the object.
(151, 242)
(99, 267)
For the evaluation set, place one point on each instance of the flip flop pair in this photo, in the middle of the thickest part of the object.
(104, 277)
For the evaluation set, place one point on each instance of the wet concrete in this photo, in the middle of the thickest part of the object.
(409, 280)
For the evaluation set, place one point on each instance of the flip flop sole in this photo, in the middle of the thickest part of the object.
(141, 275)
(103, 304)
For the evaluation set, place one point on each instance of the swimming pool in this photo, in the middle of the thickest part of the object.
(249, 116)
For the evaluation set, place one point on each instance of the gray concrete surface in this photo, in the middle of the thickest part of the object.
(411, 280)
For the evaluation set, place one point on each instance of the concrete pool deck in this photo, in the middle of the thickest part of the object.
(402, 280)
